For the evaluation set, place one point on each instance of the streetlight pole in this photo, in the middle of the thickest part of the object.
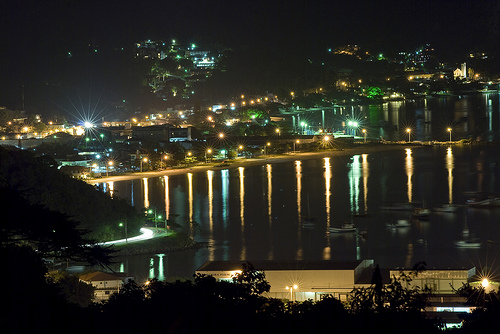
(291, 288)
(364, 133)
(297, 141)
(110, 163)
(449, 130)
(409, 133)
(145, 160)
(126, 236)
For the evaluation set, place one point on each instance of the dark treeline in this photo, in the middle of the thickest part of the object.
(37, 180)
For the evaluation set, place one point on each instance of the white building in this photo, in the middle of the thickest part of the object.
(303, 280)
(105, 284)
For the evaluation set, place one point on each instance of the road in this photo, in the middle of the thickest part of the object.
(146, 234)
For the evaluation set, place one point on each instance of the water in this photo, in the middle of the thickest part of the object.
(255, 212)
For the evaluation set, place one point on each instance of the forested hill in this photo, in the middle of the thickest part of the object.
(39, 181)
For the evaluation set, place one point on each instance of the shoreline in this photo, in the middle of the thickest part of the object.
(361, 149)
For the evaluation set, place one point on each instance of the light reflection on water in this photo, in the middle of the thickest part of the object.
(256, 212)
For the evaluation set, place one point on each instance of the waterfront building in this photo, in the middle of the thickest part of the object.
(313, 280)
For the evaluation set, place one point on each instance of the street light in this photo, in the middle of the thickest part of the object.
(354, 125)
(298, 142)
(364, 134)
(126, 236)
(221, 135)
(449, 130)
(209, 151)
(165, 157)
(291, 288)
(278, 132)
(110, 163)
(409, 133)
(265, 148)
(145, 160)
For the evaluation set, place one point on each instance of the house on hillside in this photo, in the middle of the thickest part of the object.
(105, 284)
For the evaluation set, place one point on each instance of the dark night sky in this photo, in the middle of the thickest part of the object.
(35, 33)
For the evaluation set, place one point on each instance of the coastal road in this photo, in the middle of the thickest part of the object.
(146, 234)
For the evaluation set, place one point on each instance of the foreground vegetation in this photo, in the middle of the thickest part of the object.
(39, 182)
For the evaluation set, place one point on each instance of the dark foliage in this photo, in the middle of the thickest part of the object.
(40, 184)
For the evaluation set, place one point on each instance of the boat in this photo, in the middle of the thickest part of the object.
(467, 244)
(309, 223)
(447, 208)
(421, 213)
(399, 223)
(492, 202)
(397, 207)
(345, 228)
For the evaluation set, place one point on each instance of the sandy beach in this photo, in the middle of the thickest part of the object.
(361, 149)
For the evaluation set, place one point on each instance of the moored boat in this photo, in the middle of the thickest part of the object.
(447, 208)
(486, 203)
(346, 227)
(421, 213)
(399, 223)
(467, 244)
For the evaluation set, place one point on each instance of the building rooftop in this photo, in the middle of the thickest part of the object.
(279, 265)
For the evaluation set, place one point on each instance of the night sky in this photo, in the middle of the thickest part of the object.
(36, 34)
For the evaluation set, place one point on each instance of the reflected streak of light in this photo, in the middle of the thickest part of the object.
(225, 196)
(190, 196)
(269, 191)
(298, 175)
(210, 176)
(409, 256)
(146, 192)
(151, 268)
(409, 172)
(161, 268)
(354, 184)
(132, 193)
(328, 176)
(364, 166)
(449, 167)
(111, 186)
(242, 212)
(167, 199)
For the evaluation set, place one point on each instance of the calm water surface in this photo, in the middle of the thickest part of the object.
(255, 213)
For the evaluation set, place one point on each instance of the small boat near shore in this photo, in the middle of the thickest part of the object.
(421, 213)
(467, 244)
(492, 202)
(447, 208)
(399, 223)
(345, 228)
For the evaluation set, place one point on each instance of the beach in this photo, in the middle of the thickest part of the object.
(361, 149)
